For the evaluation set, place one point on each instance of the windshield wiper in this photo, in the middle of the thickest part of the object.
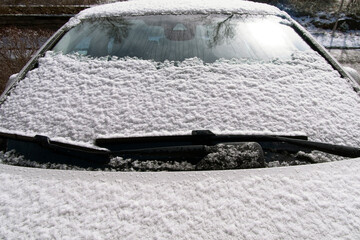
(41, 149)
(208, 138)
(191, 148)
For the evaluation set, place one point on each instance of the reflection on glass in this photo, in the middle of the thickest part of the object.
(176, 38)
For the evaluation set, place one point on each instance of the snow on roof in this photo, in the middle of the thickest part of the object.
(143, 7)
(79, 98)
(304, 202)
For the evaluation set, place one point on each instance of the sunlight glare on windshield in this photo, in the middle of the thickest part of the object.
(269, 34)
(176, 38)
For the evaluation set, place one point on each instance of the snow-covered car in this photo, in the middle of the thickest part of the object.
(191, 86)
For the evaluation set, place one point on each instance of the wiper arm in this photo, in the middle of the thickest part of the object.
(206, 137)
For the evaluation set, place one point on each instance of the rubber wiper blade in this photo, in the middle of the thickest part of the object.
(206, 137)
(188, 153)
(42, 149)
(198, 137)
(340, 150)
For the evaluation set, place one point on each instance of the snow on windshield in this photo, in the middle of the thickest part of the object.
(77, 98)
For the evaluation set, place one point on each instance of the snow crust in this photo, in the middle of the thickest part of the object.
(308, 202)
(144, 7)
(78, 99)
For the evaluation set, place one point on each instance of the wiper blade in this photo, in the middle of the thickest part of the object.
(340, 150)
(198, 137)
(42, 149)
(206, 137)
(191, 148)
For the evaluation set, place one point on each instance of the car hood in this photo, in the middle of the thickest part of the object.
(303, 202)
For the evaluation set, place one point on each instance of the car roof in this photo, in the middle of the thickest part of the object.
(149, 7)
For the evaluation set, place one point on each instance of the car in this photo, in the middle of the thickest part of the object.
(214, 95)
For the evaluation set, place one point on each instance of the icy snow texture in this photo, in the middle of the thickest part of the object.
(115, 164)
(144, 7)
(78, 98)
(306, 202)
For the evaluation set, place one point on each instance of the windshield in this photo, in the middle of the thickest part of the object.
(176, 38)
(74, 98)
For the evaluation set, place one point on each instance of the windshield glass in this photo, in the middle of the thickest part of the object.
(79, 99)
(176, 38)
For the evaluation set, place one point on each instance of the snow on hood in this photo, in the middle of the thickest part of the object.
(304, 202)
(79, 98)
(143, 7)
